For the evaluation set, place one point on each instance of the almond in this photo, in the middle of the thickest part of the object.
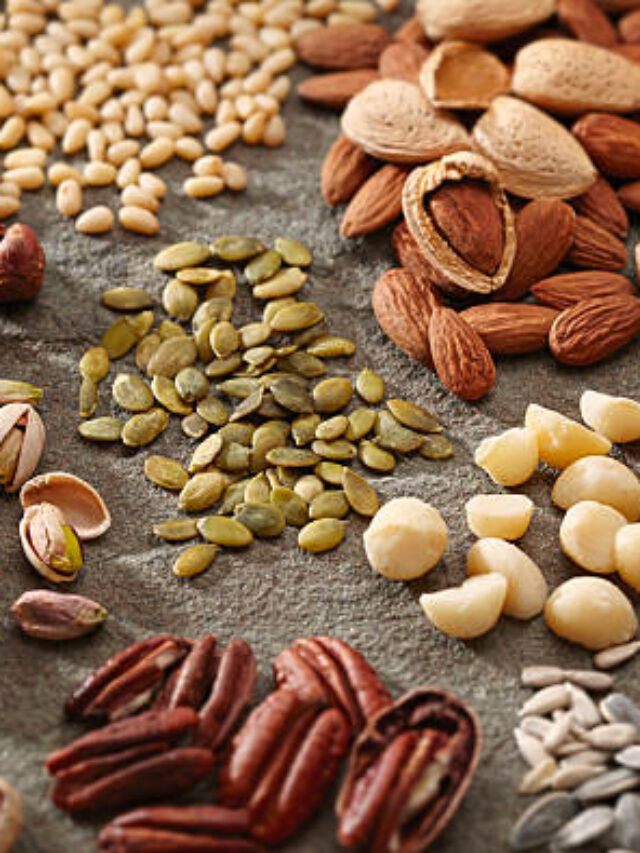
(571, 77)
(412, 31)
(629, 195)
(596, 248)
(594, 329)
(409, 256)
(342, 48)
(586, 21)
(403, 305)
(461, 75)
(346, 167)
(615, 6)
(377, 203)
(334, 91)
(403, 61)
(535, 155)
(612, 142)
(489, 20)
(460, 356)
(601, 204)
(509, 328)
(563, 291)
(631, 51)
(629, 27)
(544, 234)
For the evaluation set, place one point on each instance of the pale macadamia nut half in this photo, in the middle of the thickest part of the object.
(592, 612)
(526, 587)
(510, 458)
(617, 418)
(587, 534)
(499, 516)
(602, 479)
(626, 554)
(467, 611)
(560, 440)
(406, 539)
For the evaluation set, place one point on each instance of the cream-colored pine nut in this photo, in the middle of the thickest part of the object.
(164, 130)
(274, 38)
(95, 93)
(27, 23)
(95, 220)
(40, 136)
(208, 165)
(185, 118)
(253, 11)
(62, 83)
(113, 131)
(134, 123)
(184, 97)
(129, 172)
(206, 96)
(242, 26)
(8, 206)
(132, 97)
(235, 176)
(95, 73)
(121, 78)
(79, 57)
(320, 8)
(148, 76)
(155, 108)
(96, 145)
(238, 64)
(153, 183)
(245, 105)
(6, 102)
(232, 88)
(283, 15)
(13, 39)
(253, 128)
(280, 88)
(8, 188)
(75, 138)
(99, 174)
(157, 153)
(339, 19)
(267, 104)
(226, 112)
(275, 132)
(134, 196)
(189, 148)
(171, 13)
(363, 12)
(220, 138)
(73, 110)
(255, 49)
(25, 157)
(138, 219)
(112, 13)
(37, 105)
(56, 123)
(175, 76)
(258, 81)
(194, 69)
(84, 28)
(119, 152)
(141, 46)
(204, 187)
(214, 60)
(59, 172)
(100, 49)
(279, 62)
(26, 177)
(11, 132)
(69, 198)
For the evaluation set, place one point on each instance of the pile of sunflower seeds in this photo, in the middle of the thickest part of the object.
(276, 434)
(581, 741)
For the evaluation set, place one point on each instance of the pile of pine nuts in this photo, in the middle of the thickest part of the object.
(121, 93)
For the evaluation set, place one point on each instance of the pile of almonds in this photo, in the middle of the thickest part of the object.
(497, 195)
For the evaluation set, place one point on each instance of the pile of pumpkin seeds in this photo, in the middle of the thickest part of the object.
(276, 435)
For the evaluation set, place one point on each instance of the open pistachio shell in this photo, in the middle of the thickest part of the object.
(24, 415)
(30, 528)
(81, 505)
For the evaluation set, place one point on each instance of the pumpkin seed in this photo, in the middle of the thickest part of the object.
(94, 364)
(165, 392)
(217, 309)
(254, 334)
(291, 318)
(287, 476)
(436, 447)
(361, 495)
(292, 252)
(126, 299)
(194, 560)
(339, 450)
(361, 422)
(13, 391)
(194, 426)
(284, 283)
(119, 339)
(331, 346)
(224, 339)
(240, 387)
(272, 476)
(224, 531)
(308, 487)
(223, 366)
(375, 457)
(303, 364)
(370, 386)
(224, 287)
(263, 519)
(308, 336)
(145, 349)
(179, 300)
(263, 266)
(293, 395)
(144, 428)
(132, 393)
(191, 384)
(239, 432)
(213, 410)
(258, 369)
(140, 323)
(258, 355)
(270, 409)
(266, 437)
(101, 429)
(205, 453)
(165, 472)
(236, 248)
(330, 472)
(202, 491)
(292, 505)
(303, 429)
(292, 457)
(234, 457)
(331, 504)
(272, 308)
(393, 436)
(176, 529)
(88, 398)
(257, 490)
(202, 275)
(171, 356)
(413, 416)
(321, 535)
(331, 395)
(233, 496)
(170, 329)
(186, 254)
(333, 428)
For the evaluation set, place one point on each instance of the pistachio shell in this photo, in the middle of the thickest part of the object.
(13, 391)
(30, 517)
(489, 20)
(460, 75)
(33, 438)
(80, 504)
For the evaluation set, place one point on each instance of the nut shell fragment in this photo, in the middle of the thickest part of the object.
(26, 446)
(481, 20)
(460, 75)
(80, 504)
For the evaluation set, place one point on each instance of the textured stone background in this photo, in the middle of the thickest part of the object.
(272, 593)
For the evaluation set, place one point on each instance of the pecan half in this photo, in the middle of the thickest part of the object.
(195, 676)
(142, 840)
(95, 768)
(409, 770)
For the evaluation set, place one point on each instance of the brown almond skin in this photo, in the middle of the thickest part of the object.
(377, 203)
(403, 305)
(631, 51)
(460, 356)
(629, 27)
(402, 61)
(596, 248)
(334, 91)
(412, 31)
(343, 48)
(346, 167)
(563, 291)
(544, 233)
(587, 22)
(629, 195)
(409, 256)
(509, 328)
(602, 206)
(594, 329)
(612, 142)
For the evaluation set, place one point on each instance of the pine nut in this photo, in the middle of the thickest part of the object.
(138, 219)
(253, 128)
(59, 172)
(6, 102)
(157, 153)
(25, 157)
(275, 132)
(8, 206)
(204, 187)
(10, 189)
(119, 152)
(134, 121)
(235, 177)
(69, 198)
(189, 148)
(26, 177)
(96, 220)
(222, 137)
(133, 196)
(11, 133)
(210, 164)
(279, 62)
(164, 130)
(98, 174)
(153, 183)
(96, 145)
(76, 136)
(128, 173)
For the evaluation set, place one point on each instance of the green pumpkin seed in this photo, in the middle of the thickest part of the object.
(436, 447)
(263, 519)
(13, 391)
(265, 438)
(132, 393)
(254, 334)
(292, 457)
(331, 395)
(165, 392)
(187, 254)
(234, 457)
(165, 472)
(140, 323)
(179, 300)
(263, 266)
(361, 422)
(272, 476)
(330, 472)
(170, 329)
(101, 429)
(218, 309)
(225, 531)
(88, 398)
(191, 384)
(413, 416)
(257, 490)
(237, 432)
(258, 355)
(240, 387)
(223, 366)
(259, 369)
(292, 318)
(272, 308)
(307, 336)
(375, 457)
(271, 409)
(333, 428)
(176, 529)
(322, 535)
(292, 395)
(203, 275)
(331, 504)
(303, 429)
(126, 299)
(362, 497)
(194, 426)
(194, 560)
(303, 364)
(340, 450)
(236, 248)
(287, 476)
(205, 453)
(213, 410)
(233, 496)
(284, 283)
(309, 487)
(224, 339)
(202, 491)
(292, 505)
(145, 349)
(144, 428)
(172, 356)
(225, 287)
(94, 365)
(293, 253)
(119, 339)
(393, 436)
(370, 386)
(330, 346)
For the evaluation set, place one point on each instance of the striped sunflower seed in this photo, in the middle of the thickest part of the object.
(627, 821)
(339, 450)
(194, 426)
(144, 428)
(186, 254)
(393, 436)
(132, 393)
(361, 495)
(264, 520)
(540, 822)
(94, 364)
(608, 785)
(165, 392)
(166, 473)
(618, 708)
(236, 248)
(370, 386)
(284, 283)
(176, 529)
(541, 676)
(87, 398)
(205, 453)
(330, 504)
(375, 457)
(331, 395)
(413, 416)
(126, 299)
(331, 346)
(292, 318)
(263, 266)
(321, 535)
(194, 560)
(293, 253)
(584, 827)
(332, 428)
(101, 429)
(293, 507)
(179, 300)
(224, 531)
(202, 491)
(539, 777)
(617, 655)
(172, 356)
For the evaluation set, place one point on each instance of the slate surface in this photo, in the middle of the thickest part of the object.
(272, 593)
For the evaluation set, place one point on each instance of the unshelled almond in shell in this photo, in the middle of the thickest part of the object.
(377, 203)
(594, 247)
(595, 329)
(334, 91)
(402, 61)
(602, 205)
(460, 356)
(629, 195)
(563, 291)
(612, 142)
(403, 304)
(489, 20)
(345, 47)
(509, 328)
(629, 27)
(587, 22)
(346, 167)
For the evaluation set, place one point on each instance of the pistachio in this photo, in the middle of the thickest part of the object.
(292, 252)
(165, 472)
(370, 386)
(54, 616)
(94, 364)
(194, 560)
(101, 429)
(126, 299)
(132, 393)
(176, 529)
(144, 428)
(224, 531)
(22, 438)
(187, 254)
(80, 504)
(50, 545)
(321, 535)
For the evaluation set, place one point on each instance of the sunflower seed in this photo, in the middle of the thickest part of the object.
(546, 700)
(201, 492)
(187, 254)
(87, 398)
(587, 826)
(132, 393)
(612, 736)
(205, 453)
(627, 821)
(530, 748)
(361, 422)
(165, 472)
(589, 680)
(101, 429)
(330, 346)
(618, 708)
(165, 392)
(331, 395)
(559, 731)
(292, 252)
(321, 535)
(586, 756)
(569, 777)
(331, 504)
(213, 410)
(308, 487)
(179, 300)
(541, 676)
(145, 349)
(294, 508)
(294, 317)
(292, 457)
(176, 529)
(303, 429)
(236, 248)
(172, 356)
(393, 436)
(263, 266)
(263, 519)
(608, 785)
(436, 447)
(570, 748)
(94, 364)
(376, 457)
(413, 416)
(144, 428)
(617, 655)
(370, 386)
(224, 531)
(539, 777)
(539, 823)
(194, 560)
(536, 726)
(284, 283)
(584, 709)
(332, 429)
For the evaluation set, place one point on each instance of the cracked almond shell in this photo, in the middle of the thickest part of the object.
(80, 504)
(481, 20)
(460, 75)
(536, 157)
(392, 120)
(438, 252)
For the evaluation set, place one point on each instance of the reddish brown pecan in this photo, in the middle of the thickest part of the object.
(141, 840)
(409, 770)
(195, 676)
(94, 768)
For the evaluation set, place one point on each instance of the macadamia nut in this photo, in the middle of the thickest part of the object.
(560, 440)
(526, 587)
(499, 516)
(626, 554)
(406, 539)
(509, 458)
(587, 535)
(617, 418)
(469, 610)
(602, 479)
